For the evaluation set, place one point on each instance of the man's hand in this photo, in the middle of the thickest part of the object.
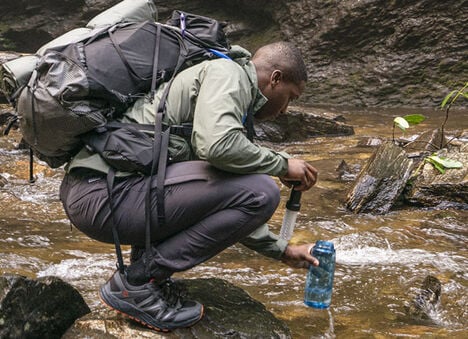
(299, 256)
(300, 171)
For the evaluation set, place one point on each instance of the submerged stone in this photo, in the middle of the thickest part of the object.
(426, 301)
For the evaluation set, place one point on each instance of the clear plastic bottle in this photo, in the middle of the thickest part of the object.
(319, 282)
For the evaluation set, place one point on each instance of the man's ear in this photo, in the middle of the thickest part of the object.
(276, 77)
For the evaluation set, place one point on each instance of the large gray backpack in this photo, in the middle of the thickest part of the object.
(78, 87)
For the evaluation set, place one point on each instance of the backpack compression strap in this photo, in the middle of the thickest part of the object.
(115, 233)
(160, 153)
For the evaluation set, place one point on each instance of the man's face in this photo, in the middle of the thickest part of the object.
(279, 94)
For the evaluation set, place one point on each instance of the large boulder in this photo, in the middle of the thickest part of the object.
(229, 313)
(42, 308)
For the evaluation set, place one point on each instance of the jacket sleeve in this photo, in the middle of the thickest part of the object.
(265, 243)
(225, 95)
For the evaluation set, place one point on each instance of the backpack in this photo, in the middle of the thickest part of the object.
(76, 88)
(79, 88)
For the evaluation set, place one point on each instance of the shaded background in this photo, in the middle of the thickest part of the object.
(358, 52)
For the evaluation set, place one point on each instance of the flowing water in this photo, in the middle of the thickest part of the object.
(381, 259)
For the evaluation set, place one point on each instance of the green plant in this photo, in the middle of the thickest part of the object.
(442, 163)
(404, 122)
(448, 102)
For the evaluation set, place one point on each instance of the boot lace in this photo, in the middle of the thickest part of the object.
(172, 293)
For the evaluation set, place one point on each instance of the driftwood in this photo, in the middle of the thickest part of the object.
(381, 181)
(387, 175)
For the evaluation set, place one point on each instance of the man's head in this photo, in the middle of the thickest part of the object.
(281, 75)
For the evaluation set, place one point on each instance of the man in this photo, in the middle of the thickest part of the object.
(218, 189)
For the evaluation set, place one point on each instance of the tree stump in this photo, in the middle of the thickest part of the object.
(381, 181)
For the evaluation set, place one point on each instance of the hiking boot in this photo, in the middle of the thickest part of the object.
(136, 253)
(158, 306)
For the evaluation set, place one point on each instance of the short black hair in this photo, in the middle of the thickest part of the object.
(286, 57)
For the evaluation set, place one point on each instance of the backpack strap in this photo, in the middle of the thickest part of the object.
(115, 233)
(183, 130)
(160, 151)
(156, 61)
(11, 121)
(31, 166)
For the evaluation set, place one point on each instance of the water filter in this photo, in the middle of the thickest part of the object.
(293, 205)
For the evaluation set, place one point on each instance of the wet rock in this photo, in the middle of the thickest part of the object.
(300, 124)
(7, 56)
(432, 188)
(426, 143)
(42, 308)
(427, 299)
(346, 173)
(360, 53)
(3, 181)
(381, 181)
(229, 313)
(369, 142)
(6, 116)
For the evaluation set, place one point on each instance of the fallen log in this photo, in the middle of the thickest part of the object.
(381, 181)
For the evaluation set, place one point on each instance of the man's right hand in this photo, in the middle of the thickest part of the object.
(300, 171)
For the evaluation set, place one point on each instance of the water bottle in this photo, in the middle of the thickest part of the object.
(319, 282)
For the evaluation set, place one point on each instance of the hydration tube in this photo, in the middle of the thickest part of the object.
(182, 24)
(293, 205)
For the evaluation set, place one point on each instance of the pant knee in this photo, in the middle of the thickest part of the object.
(268, 193)
(272, 193)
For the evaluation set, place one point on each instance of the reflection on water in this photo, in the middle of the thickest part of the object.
(381, 260)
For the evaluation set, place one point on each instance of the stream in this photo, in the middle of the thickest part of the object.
(381, 259)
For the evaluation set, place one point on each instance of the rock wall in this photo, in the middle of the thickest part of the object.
(358, 52)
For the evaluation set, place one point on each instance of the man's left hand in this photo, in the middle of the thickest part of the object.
(299, 256)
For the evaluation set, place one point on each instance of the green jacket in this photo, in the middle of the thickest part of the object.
(214, 96)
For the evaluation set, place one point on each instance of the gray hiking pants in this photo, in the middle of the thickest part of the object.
(207, 210)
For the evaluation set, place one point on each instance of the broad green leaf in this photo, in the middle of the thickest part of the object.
(401, 123)
(446, 162)
(436, 165)
(414, 119)
(447, 98)
(465, 94)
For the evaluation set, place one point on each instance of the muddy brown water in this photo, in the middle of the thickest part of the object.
(381, 259)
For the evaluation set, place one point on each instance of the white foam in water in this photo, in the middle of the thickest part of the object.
(44, 189)
(75, 269)
(384, 256)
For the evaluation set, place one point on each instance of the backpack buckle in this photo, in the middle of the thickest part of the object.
(183, 130)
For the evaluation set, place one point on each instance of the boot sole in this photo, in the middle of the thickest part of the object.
(147, 323)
